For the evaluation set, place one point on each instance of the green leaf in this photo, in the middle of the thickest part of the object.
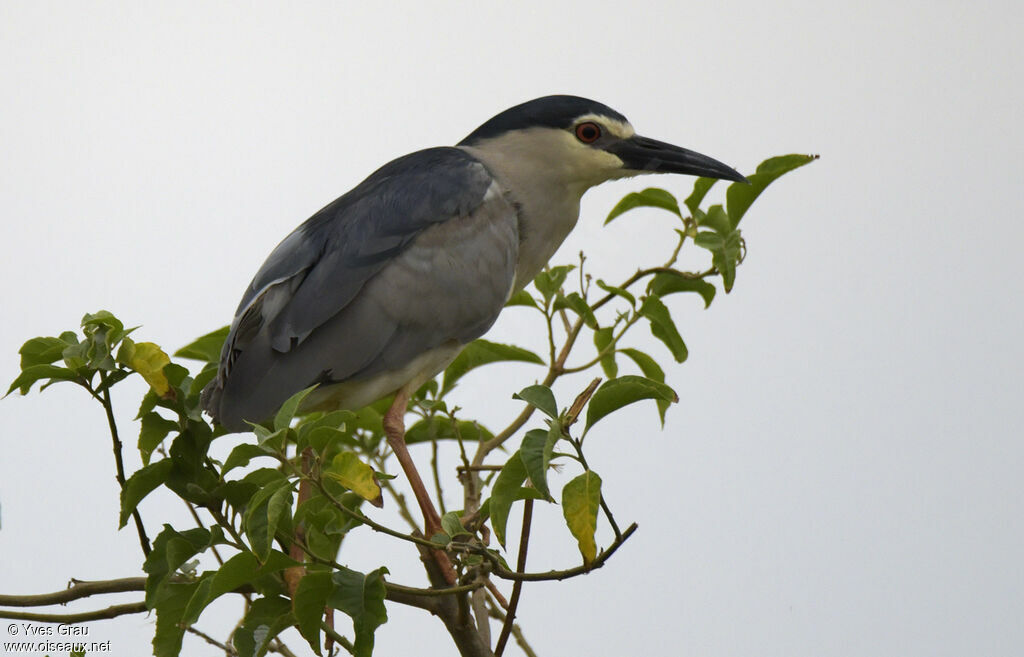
(580, 500)
(725, 259)
(739, 196)
(101, 319)
(283, 418)
(308, 606)
(532, 453)
(709, 240)
(482, 352)
(576, 303)
(353, 474)
(141, 484)
(717, 220)
(241, 455)
(264, 514)
(663, 328)
(207, 348)
(170, 550)
(652, 371)
(602, 339)
(650, 197)
(503, 494)
(670, 282)
(154, 429)
(240, 569)
(521, 298)
(439, 427)
(267, 618)
(34, 373)
(536, 450)
(362, 598)
(451, 523)
(549, 281)
(148, 360)
(43, 351)
(701, 187)
(169, 610)
(540, 397)
(625, 390)
(617, 291)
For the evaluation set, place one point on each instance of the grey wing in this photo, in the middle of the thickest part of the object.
(419, 256)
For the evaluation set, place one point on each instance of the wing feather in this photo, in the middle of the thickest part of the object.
(421, 254)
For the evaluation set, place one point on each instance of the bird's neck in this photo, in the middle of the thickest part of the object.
(546, 214)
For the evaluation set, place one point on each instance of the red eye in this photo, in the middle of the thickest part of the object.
(588, 132)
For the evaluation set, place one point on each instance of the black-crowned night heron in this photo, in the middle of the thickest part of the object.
(377, 292)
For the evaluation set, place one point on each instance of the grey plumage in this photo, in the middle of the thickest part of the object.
(416, 257)
(379, 290)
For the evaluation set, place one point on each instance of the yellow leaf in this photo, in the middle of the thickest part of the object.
(148, 360)
(353, 474)
(580, 499)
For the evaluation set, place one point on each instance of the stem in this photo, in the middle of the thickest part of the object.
(517, 588)
(557, 575)
(370, 523)
(609, 349)
(199, 523)
(228, 650)
(437, 477)
(337, 638)
(108, 407)
(223, 522)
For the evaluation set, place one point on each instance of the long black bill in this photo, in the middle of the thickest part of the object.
(643, 154)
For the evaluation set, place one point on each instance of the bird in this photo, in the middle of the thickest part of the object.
(377, 292)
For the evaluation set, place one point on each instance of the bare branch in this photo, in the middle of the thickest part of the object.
(78, 589)
(83, 617)
(517, 588)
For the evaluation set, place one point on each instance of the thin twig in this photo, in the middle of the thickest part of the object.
(479, 468)
(557, 575)
(108, 408)
(517, 588)
(228, 650)
(437, 477)
(280, 648)
(223, 522)
(497, 594)
(391, 586)
(370, 523)
(199, 523)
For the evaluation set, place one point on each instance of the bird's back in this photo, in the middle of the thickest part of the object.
(419, 257)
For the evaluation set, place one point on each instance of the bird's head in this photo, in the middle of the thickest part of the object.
(581, 143)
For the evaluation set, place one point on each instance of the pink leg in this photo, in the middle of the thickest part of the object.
(394, 429)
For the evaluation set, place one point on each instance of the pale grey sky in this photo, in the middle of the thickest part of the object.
(843, 473)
